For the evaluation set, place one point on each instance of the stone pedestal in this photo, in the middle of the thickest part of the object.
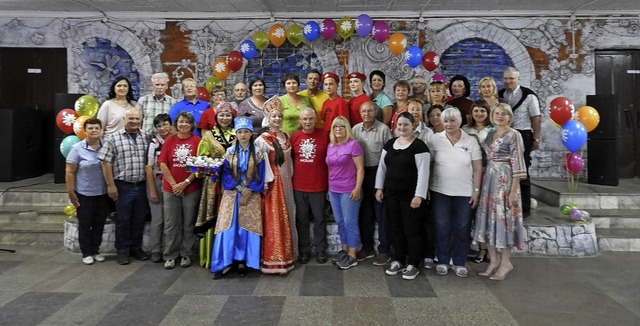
(108, 237)
(560, 237)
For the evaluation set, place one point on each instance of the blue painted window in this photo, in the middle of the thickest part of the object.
(107, 62)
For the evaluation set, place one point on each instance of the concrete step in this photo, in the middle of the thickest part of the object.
(615, 218)
(588, 196)
(31, 233)
(43, 198)
(32, 214)
(619, 239)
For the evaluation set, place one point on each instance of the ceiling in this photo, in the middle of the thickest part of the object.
(289, 9)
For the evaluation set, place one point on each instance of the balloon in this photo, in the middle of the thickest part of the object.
(575, 214)
(65, 119)
(565, 209)
(574, 163)
(380, 31)
(220, 69)
(345, 27)
(212, 82)
(234, 60)
(574, 135)
(328, 29)
(311, 31)
(294, 34)
(439, 78)
(397, 43)
(589, 117)
(69, 210)
(430, 61)
(277, 35)
(561, 110)
(414, 56)
(86, 105)
(67, 143)
(203, 94)
(586, 215)
(78, 126)
(248, 49)
(364, 24)
(261, 41)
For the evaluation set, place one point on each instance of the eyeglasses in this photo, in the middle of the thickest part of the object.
(338, 127)
(219, 94)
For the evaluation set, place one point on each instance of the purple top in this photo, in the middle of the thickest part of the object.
(342, 169)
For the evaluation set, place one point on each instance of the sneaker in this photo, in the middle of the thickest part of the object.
(304, 258)
(429, 263)
(139, 254)
(410, 272)
(170, 264)
(87, 260)
(321, 257)
(347, 263)
(395, 268)
(122, 259)
(442, 269)
(156, 257)
(363, 254)
(339, 257)
(185, 262)
(99, 258)
(381, 259)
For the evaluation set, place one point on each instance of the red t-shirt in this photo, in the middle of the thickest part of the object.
(309, 152)
(332, 109)
(354, 108)
(174, 154)
(207, 119)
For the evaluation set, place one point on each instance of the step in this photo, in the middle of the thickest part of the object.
(619, 239)
(615, 218)
(587, 196)
(34, 198)
(31, 233)
(32, 214)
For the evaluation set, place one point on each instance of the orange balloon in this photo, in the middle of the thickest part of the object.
(397, 43)
(277, 35)
(78, 126)
(589, 117)
(221, 69)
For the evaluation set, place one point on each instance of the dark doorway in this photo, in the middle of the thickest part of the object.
(29, 77)
(618, 73)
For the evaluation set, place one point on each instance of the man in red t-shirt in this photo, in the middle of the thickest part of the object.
(309, 150)
(356, 85)
(335, 106)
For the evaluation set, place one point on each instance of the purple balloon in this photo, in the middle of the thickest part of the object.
(439, 78)
(364, 24)
(380, 31)
(575, 214)
(575, 163)
(328, 29)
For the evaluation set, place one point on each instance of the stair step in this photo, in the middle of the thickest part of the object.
(619, 239)
(31, 233)
(588, 196)
(32, 214)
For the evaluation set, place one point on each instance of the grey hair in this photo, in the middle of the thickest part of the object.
(308, 109)
(451, 113)
(512, 70)
(160, 75)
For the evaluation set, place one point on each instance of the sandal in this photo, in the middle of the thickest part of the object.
(461, 271)
(442, 269)
(481, 257)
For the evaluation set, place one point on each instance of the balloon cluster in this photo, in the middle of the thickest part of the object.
(71, 121)
(575, 214)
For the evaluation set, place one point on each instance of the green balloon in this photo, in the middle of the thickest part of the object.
(294, 34)
(346, 27)
(261, 40)
(565, 209)
(86, 105)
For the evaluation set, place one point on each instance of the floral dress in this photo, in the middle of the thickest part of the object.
(496, 224)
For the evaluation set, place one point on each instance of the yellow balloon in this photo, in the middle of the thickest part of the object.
(346, 27)
(86, 105)
(212, 82)
(69, 210)
(261, 40)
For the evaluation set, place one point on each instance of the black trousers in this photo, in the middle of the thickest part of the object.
(525, 184)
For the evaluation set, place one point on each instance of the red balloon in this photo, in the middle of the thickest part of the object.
(203, 94)
(234, 60)
(561, 110)
(573, 163)
(430, 60)
(65, 120)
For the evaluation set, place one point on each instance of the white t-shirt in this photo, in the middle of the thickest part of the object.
(452, 168)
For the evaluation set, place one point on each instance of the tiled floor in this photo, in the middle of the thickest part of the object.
(45, 285)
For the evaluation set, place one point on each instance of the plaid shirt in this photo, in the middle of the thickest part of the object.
(128, 155)
(151, 107)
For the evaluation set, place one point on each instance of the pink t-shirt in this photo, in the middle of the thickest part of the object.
(342, 169)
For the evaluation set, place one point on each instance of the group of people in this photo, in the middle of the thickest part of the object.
(422, 167)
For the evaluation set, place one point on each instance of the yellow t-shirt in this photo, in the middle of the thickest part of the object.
(316, 101)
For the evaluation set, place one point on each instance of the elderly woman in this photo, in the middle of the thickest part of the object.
(345, 161)
(401, 182)
(88, 191)
(401, 90)
(252, 105)
(384, 105)
(419, 87)
(437, 96)
(455, 189)
(499, 216)
(489, 91)
(112, 111)
(292, 103)
(180, 192)
(461, 89)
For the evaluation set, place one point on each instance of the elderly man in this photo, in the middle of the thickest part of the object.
(372, 135)
(123, 157)
(239, 94)
(191, 103)
(526, 119)
(153, 104)
(310, 184)
(316, 96)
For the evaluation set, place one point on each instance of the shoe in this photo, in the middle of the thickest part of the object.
(490, 269)
(501, 274)
(461, 271)
(218, 275)
(304, 258)
(338, 257)
(348, 262)
(242, 270)
(139, 254)
(87, 260)
(122, 259)
(156, 257)
(363, 254)
(185, 262)
(321, 257)
(395, 268)
(481, 257)
(381, 259)
(442, 269)
(429, 263)
(170, 264)
(410, 272)
(99, 258)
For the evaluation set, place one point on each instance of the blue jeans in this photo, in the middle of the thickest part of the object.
(452, 216)
(346, 213)
(131, 208)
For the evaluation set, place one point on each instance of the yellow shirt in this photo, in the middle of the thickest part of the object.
(316, 101)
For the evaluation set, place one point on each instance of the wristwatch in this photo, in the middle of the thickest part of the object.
(537, 140)
(187, 180)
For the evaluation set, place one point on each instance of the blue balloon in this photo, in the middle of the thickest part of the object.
(67, 143)
(248, 49)
(414, 56)
(311, 30)
(574, 135)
